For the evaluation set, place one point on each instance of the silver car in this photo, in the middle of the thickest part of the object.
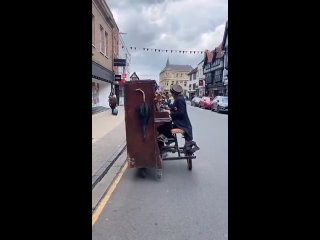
(220, 104)
(195, 101)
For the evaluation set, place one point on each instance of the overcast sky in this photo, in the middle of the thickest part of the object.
(168, 24)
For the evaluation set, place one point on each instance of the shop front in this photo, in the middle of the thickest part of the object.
(102, 81)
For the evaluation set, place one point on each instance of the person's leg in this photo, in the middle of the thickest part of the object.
(190, 145)
(165, 129)
(187, 138)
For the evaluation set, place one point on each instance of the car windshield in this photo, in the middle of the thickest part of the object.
(225, 100)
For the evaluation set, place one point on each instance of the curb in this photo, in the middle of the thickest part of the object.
(106, 185)
(96, 178)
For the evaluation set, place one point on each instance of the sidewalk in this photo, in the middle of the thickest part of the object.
(108, 151)
(104, 122)
(109, 139)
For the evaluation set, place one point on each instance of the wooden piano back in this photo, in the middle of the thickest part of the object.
(140, 152)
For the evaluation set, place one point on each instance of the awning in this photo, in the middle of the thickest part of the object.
(101, 73)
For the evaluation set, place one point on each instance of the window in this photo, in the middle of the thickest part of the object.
(218, 76)
(181, 75)
(106, 39)
(177, 75)
(93, 29)
(185, 83)
(209, 78)
(102, 47)
(194, 76)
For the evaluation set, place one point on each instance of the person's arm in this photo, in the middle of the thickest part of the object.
(178, 109)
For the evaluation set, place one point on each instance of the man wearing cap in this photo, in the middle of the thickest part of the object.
(179, 116)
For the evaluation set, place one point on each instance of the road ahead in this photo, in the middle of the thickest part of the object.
(184, 204)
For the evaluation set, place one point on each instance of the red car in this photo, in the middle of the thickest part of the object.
(206, 102)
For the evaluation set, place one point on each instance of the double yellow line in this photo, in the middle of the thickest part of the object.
(106, 197)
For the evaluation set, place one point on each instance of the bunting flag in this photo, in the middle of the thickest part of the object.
(165, 50)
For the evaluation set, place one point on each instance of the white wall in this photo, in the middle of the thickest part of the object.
(104, 91)
(200, 71)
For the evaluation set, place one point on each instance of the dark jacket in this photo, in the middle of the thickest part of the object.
(180, 117)
(112, 101)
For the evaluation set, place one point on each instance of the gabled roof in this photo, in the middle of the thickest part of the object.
(193, 71)
(210, 56)
(134, 75)
(176, 67)
(201, 61)
(218, 51)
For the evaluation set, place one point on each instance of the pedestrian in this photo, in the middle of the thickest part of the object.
(113, 102)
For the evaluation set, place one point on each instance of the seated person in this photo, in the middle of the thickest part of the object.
(180, 119)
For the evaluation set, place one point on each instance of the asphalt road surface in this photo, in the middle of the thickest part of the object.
(184, 204)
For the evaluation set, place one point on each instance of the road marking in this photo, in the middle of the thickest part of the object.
(107, 196)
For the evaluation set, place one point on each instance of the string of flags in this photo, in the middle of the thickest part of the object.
(166, 50)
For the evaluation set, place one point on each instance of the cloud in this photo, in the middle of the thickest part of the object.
(169, 24)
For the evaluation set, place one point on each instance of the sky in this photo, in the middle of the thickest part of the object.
(192, 25)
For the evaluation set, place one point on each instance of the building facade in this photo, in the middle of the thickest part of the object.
(213, 70)
(201, 88)
(174, 74)
(193, 83)
(197, 82)
(225, 62)
(105, 47)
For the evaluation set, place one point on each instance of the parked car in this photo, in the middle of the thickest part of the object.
(195, 101)
(206, 103)
(220, 104)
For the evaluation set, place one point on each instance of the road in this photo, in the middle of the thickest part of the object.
(183, 204)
